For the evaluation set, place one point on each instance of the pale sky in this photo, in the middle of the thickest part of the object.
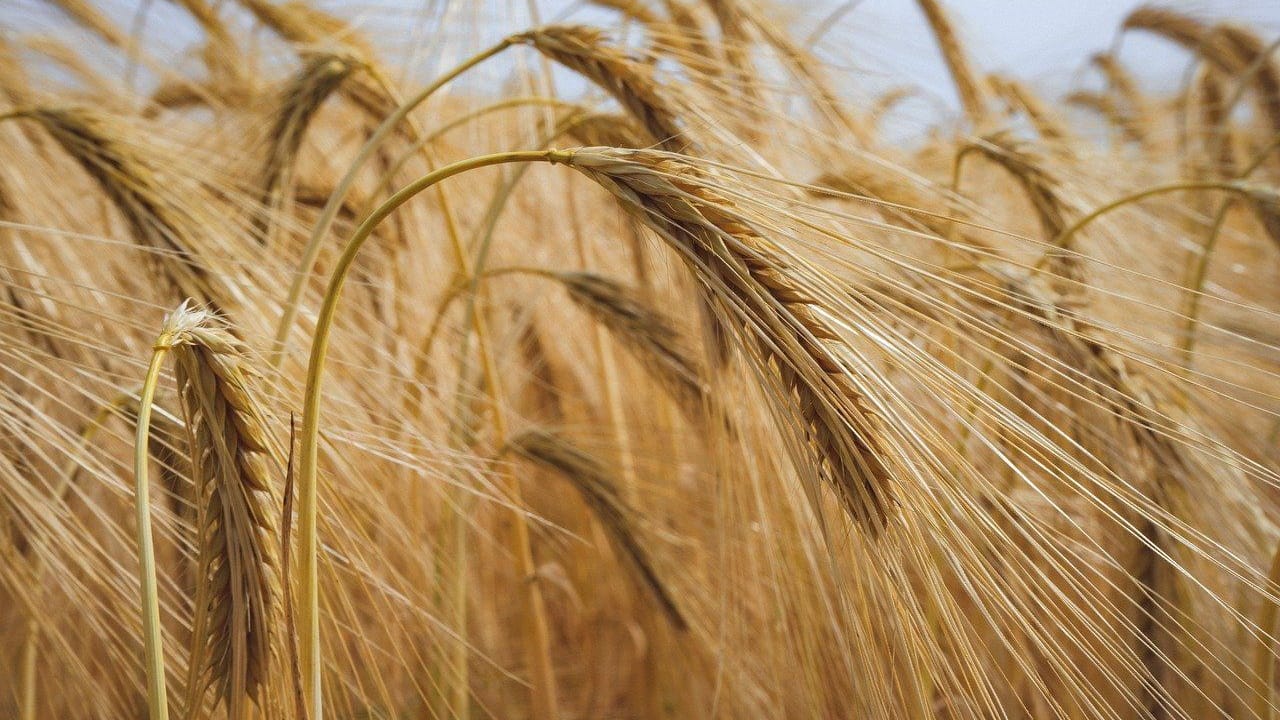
(874, 45)
(1047, 42)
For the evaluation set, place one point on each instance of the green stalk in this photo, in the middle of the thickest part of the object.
(27, 698)
(157, 702)
(307, 509)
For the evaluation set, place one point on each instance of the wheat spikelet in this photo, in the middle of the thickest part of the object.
(1256, 57)
(237, 604)
(303, 24)
(1214, 130)
(649, 335)
(631, 83)
(725, 251)
(310, 28)
(1175, 26)
(1108, 108)
(634, 10)
(1020, 161)
(1136, 110)
(903, 197)
(588, 477)
(1229, 48)
(735, 48)
(14, 82)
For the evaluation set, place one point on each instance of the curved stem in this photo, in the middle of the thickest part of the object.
(312, 251)
(156, 699)
(1063, 240)
(1219, 136)
(384, 183)
(307, 496)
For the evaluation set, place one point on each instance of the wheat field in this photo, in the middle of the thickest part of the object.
(628, 364)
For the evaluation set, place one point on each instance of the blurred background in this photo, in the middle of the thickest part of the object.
(872, 45)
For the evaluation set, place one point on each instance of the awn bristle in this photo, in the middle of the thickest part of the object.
(599, 492)
(743, 270)
(237, 609)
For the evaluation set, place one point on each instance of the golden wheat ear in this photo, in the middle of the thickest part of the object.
(599, 492)
(745, 272)
(650, 336)
(101, 144)
(235, 632)
(585, 51)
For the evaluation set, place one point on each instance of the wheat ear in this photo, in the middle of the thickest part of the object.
(130, 181)
(650, 336)
(745, 271)
(585, 51)
(300, 100)
(238, 585)
(589, 478)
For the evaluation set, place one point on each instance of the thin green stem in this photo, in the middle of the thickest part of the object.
(157, 701)
(307, 494)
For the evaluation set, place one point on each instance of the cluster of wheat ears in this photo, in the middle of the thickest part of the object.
(367, 376)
